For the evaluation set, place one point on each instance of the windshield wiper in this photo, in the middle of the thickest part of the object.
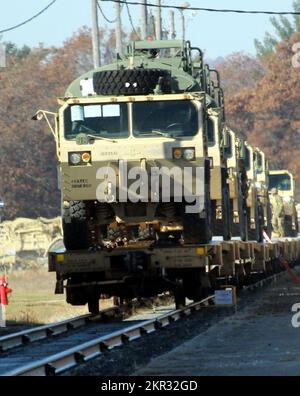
(96, 136)
(166, 135)
(101, 138)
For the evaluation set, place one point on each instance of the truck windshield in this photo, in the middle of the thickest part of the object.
(100, 120)
(247, 158)
(171, 118)
(281, 182)
(259, 163)
(228, 148)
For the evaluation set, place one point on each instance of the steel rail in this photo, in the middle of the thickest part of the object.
(27, 336)
(71, 357)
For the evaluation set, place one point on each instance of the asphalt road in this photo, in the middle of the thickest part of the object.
(258, 340)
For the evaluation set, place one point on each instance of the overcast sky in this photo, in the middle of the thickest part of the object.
(217, 34)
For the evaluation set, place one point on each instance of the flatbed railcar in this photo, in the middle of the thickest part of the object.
(148, 269)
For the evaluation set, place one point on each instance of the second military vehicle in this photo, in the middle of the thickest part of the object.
(284, 181)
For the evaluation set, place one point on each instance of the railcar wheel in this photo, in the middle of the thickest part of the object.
(75, 295)
(179, 294)
(93, 304)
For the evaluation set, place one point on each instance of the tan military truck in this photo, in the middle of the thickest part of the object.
(284, 181)
(144, 118)
(262, 186)
(217, 143)
(256, 215)
(238, 185)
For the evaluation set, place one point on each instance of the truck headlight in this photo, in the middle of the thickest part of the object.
(75, 158)
(185, 153)
(80, 158)
(177, 153)
(189, 154)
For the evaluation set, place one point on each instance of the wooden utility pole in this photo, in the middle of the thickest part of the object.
(95, 34)
(182, 25)
(118, 29)
(184, 6)
(144, 19)
(158, 20)
(172, 25)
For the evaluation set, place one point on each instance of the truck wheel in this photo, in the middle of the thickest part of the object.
(243, 217)
(226, 212)
(269, 219)
(76, 231)
(198, 230)
(131, 82)
(259, 221)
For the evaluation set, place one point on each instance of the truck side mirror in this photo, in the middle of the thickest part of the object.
(241, 150)
(225, 138)
(43, 114)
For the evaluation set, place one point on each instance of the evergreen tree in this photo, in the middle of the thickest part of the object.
(284, 28)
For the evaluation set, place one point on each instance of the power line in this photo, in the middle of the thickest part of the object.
(131, 21)
(104, 16)
(30, 19)
(208, 9)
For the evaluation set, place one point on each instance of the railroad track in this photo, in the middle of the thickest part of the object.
(39, 360)
(68, 352)
(50, 330)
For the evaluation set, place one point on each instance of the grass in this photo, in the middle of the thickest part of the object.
(33, 301)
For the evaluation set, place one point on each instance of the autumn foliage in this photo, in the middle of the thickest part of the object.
(33, 80)
(268, 113)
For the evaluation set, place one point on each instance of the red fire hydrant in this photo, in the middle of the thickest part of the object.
(4, 290)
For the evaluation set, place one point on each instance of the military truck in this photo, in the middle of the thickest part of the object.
(255, 198)
(238, 185)
(262, 186)
(284, 181)
(155, 113)
(217, 143)
(248, 181)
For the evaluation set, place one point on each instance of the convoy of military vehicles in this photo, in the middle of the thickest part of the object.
(157, 113)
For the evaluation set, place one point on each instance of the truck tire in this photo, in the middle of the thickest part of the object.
(76, 230)
(259, 222)
(131, 82)
(226, 213)
(269, 219)
(243, 218)
(198, 230)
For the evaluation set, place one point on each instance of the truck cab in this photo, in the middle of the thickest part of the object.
(284, 181)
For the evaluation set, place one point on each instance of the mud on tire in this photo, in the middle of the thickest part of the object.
(131, 81)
